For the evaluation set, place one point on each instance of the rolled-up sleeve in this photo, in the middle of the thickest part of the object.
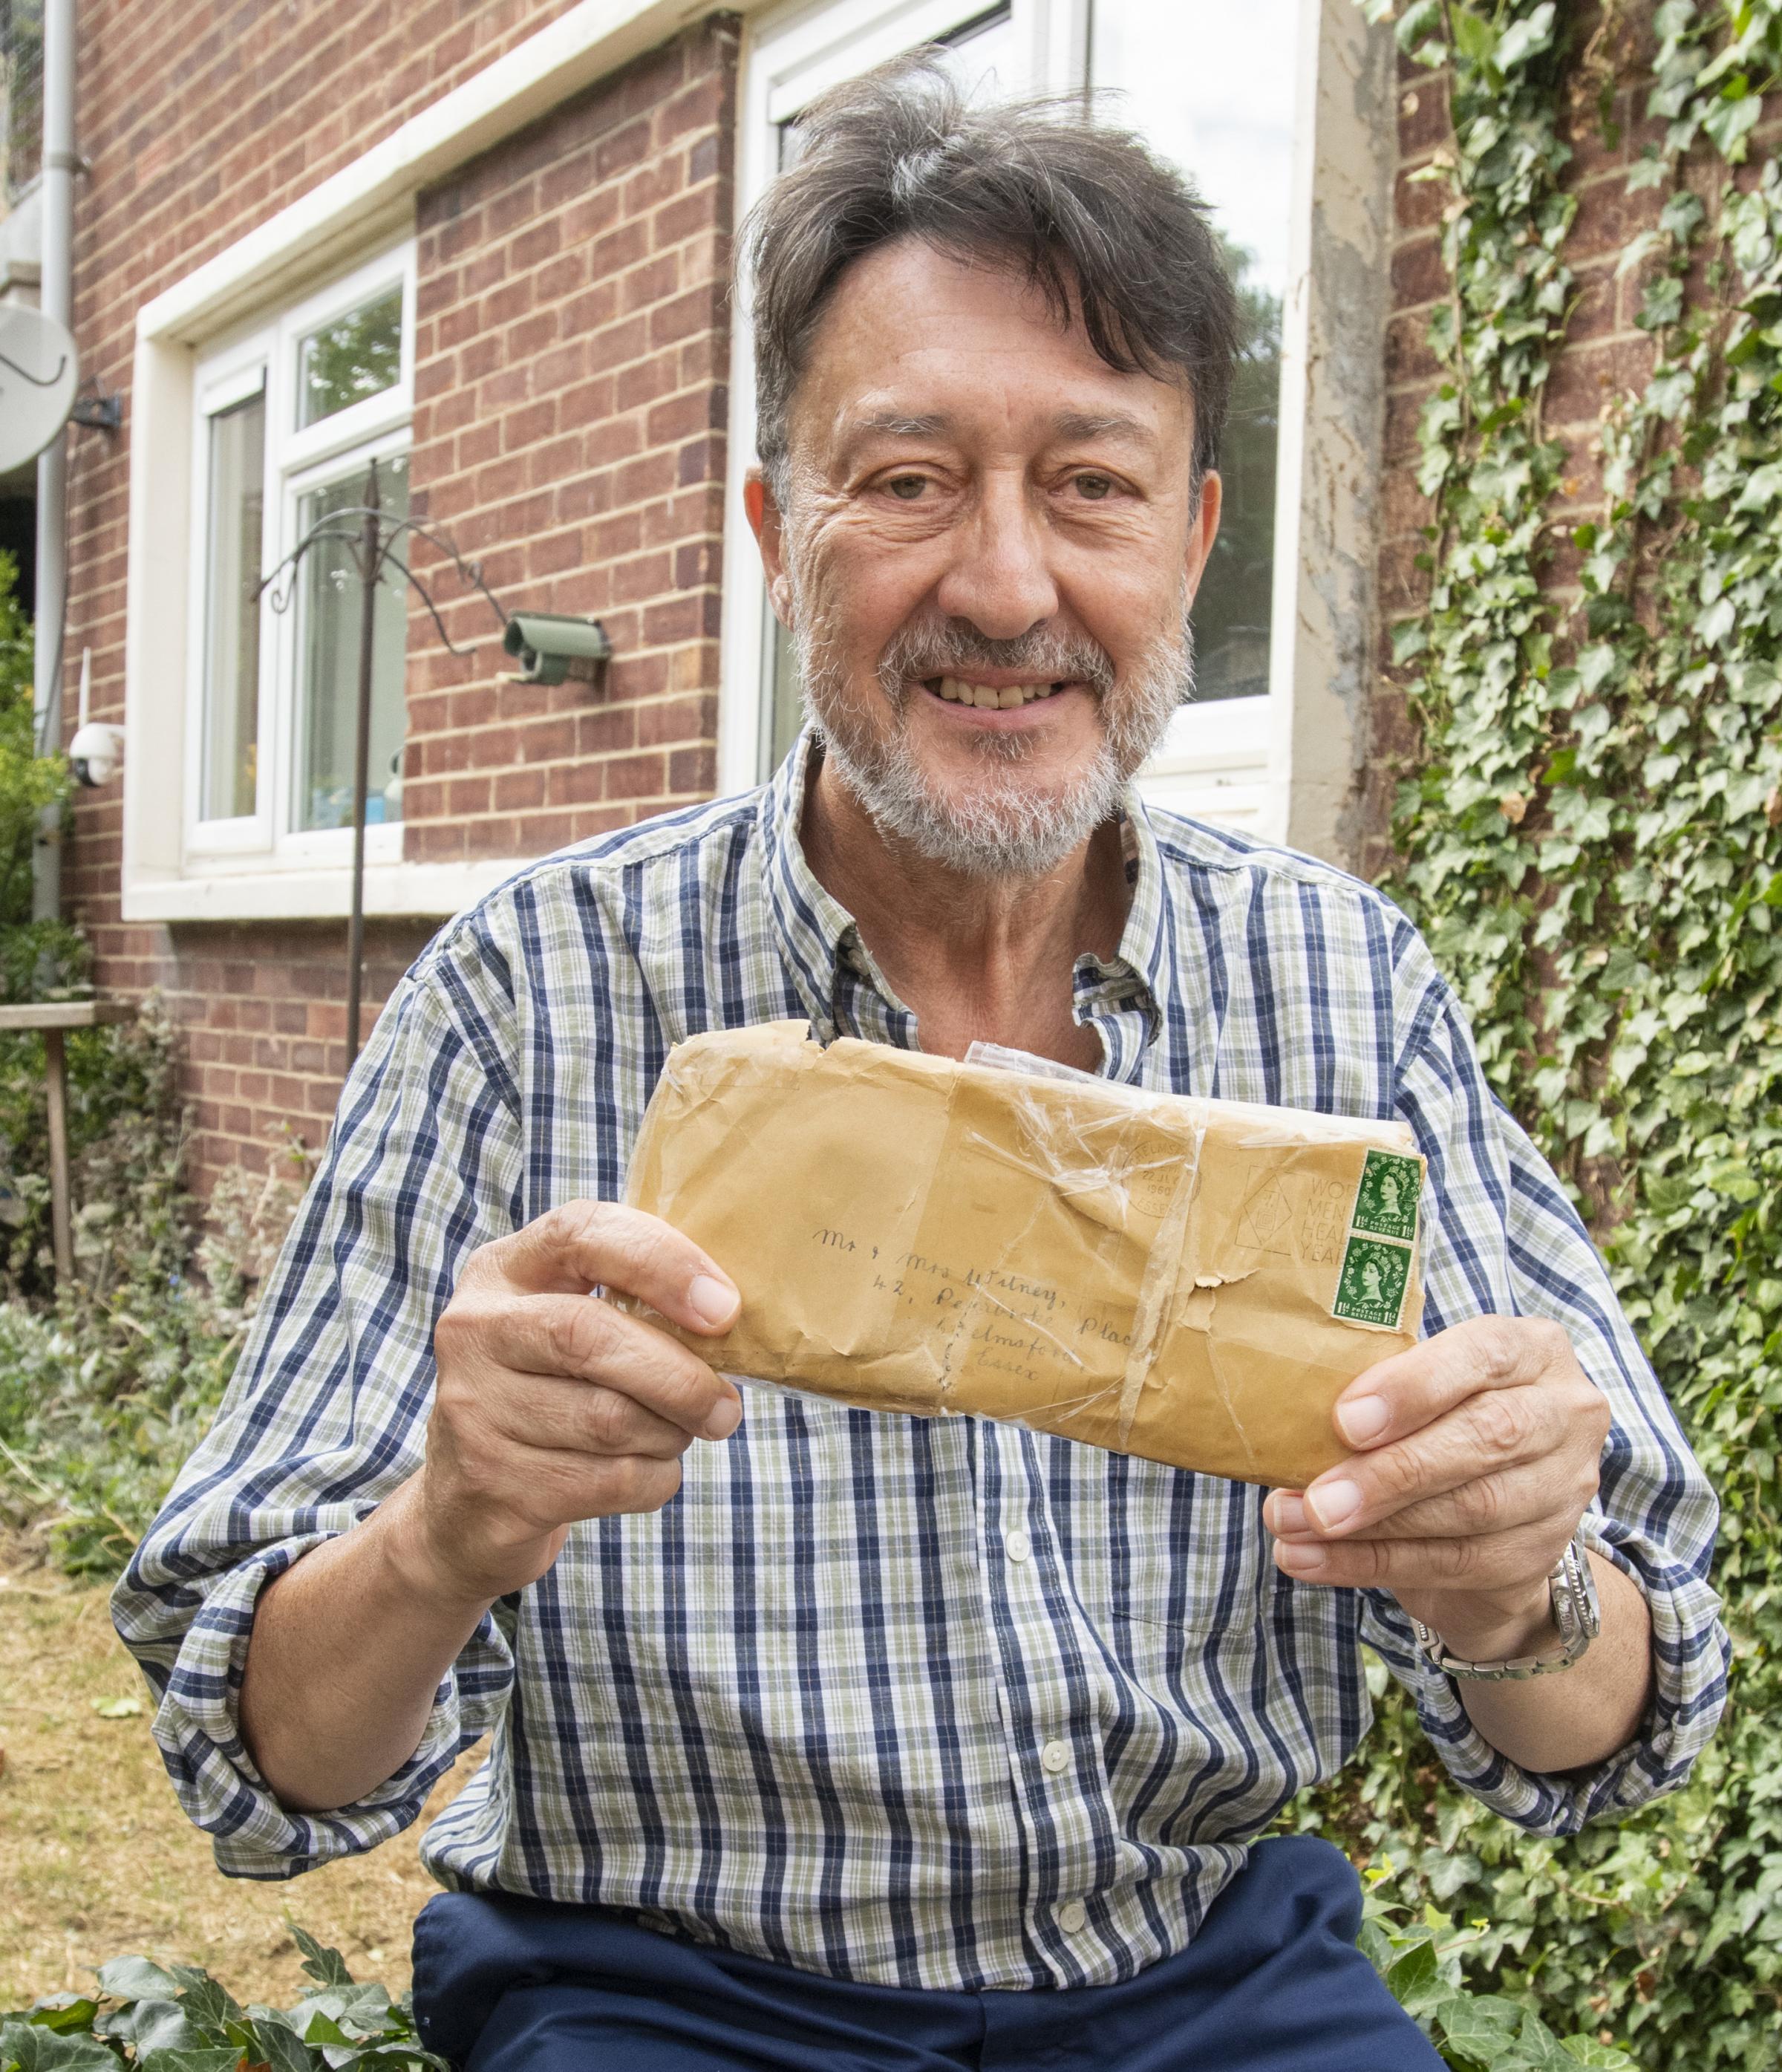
(326, 1414)
(1502, 1238)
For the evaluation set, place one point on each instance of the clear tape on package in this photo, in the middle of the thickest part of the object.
(1192, 1281)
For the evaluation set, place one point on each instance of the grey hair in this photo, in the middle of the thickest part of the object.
(1107, 232)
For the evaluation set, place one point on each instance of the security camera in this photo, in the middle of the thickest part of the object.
(95, 754)
(551, 646)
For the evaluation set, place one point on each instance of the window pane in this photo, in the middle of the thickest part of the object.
(231, 610)
(1186, 76)
(357, 355)
(328, 682)
(981, 54)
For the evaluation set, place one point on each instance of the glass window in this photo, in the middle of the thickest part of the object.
(237, 475)
(328, 668)
(1185, 76)
(272, 721)
(356, 356)
(981, 54)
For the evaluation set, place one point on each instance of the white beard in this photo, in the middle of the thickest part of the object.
(1000, 826)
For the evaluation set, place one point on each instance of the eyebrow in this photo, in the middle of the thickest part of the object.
(1067, 424)
(1119, 425)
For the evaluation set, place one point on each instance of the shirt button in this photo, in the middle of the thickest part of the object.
(1056, 1756)
(1018, 1547)
(1073, 1916)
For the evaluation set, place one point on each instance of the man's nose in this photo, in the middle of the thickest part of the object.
(999, 578)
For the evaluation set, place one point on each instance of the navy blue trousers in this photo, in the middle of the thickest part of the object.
(1273, 1982)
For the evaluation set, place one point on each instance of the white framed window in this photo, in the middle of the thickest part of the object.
(794, 54)
(1190, 77)
(229, 300)
(1277, 113)
(290, 419)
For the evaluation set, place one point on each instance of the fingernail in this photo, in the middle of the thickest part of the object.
(1300, 1560)
(1365, 1418)
(1331, 1503)
(724, 1419)
(712, 1301)
(1290, 1513)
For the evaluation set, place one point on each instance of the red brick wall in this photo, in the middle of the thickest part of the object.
(1603, 353)
(571, 366)
(572, 349)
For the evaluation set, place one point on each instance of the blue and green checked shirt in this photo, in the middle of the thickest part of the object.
(941, 1704)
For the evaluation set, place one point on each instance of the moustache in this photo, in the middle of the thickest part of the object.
(917, 653)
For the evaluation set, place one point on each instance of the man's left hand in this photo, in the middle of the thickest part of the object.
(1474, 1456)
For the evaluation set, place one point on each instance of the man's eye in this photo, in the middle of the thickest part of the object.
(1094, 486)
(907, 487)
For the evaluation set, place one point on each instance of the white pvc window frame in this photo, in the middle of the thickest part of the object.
(298, 461)
(1234, 760)
(791, 54)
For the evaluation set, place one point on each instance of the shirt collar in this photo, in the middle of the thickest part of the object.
(822, 950)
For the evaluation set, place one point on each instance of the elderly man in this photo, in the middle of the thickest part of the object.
(846, 1741)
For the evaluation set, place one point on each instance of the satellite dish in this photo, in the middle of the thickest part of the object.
(39, 372)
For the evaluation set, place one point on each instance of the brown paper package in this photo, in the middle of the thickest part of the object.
(1159, 1275)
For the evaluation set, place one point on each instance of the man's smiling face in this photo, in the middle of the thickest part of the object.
(992, 543)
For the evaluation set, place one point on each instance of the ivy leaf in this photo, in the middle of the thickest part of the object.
(1418, 21)
(64, 2012)
(1474, 37)
(326, 1967)
(1762, 486)
(1729, 122)
(1526, 38)
(34, 2048)
(1603, 2056)
(136, 1979)
(1416, 1982)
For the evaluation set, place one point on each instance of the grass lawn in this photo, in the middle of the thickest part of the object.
(97, 1860)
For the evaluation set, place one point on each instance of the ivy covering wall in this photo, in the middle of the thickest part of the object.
(1591, 838)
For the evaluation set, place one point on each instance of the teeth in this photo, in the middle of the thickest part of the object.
(986, 698)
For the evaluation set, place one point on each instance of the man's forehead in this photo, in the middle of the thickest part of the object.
(918, 343)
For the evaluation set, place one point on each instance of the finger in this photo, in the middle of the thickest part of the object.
(543, 1414)
(1482, 1561)
(1487, 1434)
(590, 1244)
(1501, 1502)
(563, 1488)
(1415, 1387)
(582, 1339)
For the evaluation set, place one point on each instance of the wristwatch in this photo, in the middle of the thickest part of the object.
(1575, 1613)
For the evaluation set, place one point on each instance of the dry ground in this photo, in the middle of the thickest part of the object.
(97, 1860)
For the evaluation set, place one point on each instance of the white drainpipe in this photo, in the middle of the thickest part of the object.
(56, 296)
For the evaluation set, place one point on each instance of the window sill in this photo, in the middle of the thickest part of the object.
(422, 891)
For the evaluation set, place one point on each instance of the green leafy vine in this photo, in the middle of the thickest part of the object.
(1592, 840)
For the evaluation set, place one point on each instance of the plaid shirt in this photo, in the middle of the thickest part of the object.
(942, 1704)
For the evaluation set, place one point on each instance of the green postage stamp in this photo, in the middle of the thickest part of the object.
(1371, 1289)
(1387, 1205)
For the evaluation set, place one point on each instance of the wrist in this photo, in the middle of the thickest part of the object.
(424, 1577)
(1489, 1626)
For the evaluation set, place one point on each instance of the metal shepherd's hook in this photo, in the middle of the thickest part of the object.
(369, 536)
(373, 546)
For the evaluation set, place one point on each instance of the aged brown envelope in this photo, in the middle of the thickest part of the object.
(1195, 1281)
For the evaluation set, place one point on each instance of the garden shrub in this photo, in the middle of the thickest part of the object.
(105, 1384)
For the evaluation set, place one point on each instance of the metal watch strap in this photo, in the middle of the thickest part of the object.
(1575, 1612)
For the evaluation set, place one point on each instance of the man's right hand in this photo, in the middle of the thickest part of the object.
(552, 1406)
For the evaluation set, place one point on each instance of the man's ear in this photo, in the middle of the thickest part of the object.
(763, 515)
(1204, 529)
